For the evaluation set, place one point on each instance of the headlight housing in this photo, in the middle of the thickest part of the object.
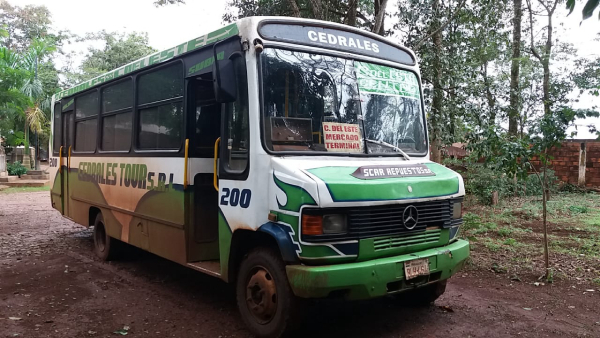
(457, 210)
(334, 224)
(328, 224)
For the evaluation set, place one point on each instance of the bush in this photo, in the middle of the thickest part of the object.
(16, 169)
(533, 187)
(481, 182)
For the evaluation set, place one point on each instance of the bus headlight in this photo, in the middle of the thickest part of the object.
(457, 210)
(334, 224)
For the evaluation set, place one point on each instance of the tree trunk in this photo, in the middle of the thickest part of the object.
(295, 9)
(317, 9)
(546, 61)
(437, 103)
(514, 69)
(352, 10)
(380, 6)
(546, 259)
(488, 93)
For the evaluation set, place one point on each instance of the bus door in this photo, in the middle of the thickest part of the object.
(204, 118)
(67, 142)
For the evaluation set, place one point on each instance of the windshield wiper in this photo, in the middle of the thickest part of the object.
(391, 146)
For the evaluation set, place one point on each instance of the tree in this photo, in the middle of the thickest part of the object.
(119, 49)
(368, 15)
(458, 45)
(514, 110)
(588, 9)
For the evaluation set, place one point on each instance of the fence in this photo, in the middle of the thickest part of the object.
(576, 162)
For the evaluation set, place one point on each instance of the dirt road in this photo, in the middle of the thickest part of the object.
(52, 286)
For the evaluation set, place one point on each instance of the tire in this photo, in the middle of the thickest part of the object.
(264, 297)
(105, 247)
(425, 295)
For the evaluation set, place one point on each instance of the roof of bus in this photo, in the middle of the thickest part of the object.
(194, 44)
(155, 58)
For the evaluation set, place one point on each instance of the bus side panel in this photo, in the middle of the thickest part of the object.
(141, 199)
(55, 197)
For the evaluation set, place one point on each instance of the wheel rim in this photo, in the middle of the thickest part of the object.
(100, 237)
(261, 295)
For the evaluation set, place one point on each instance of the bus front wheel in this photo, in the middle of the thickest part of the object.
(264, 297)
(105, 247)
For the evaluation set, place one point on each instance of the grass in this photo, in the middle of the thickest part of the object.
(24, 189)
(511, 233)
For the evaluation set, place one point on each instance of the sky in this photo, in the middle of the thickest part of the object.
(169, 25)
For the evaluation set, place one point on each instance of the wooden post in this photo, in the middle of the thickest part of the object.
(582, 159)
(495, 198)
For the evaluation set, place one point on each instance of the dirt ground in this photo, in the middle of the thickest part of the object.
(52, 286)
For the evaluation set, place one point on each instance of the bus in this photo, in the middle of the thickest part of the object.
(287, 156)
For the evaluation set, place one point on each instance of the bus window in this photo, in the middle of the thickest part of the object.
(56, 137)
(207, 118)
(238, 135)
(160, 108)
(117, 102)
(86, 112)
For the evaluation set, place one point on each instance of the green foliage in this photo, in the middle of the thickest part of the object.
(481, 180)
(577, 209)
(504, 232)
(16, 169)
(15, 139)
(159, 3)
(588, 9)
(356, 13)
(119, 49)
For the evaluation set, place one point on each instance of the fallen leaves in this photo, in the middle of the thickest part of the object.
(123, 332)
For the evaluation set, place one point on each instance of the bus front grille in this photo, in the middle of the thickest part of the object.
(427, 237)
(375, 221)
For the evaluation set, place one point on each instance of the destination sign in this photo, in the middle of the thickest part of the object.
(389, 171)
(335, 39)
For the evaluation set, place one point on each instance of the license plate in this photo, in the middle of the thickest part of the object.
(417, 267)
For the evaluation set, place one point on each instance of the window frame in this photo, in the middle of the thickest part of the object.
(137, 107)
(56, 152)
(67, 139)
(224, 171)
(103, 115)
(333, 53)
(83, 119)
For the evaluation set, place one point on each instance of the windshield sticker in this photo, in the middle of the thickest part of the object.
(384, 80)
(388, 171)
(342, 137)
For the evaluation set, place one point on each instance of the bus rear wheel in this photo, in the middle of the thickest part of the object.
(264, 297)
(105, 247)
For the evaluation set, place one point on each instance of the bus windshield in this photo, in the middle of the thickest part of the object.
(328, 104)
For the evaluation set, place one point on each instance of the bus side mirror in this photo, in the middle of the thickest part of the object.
(224, 75)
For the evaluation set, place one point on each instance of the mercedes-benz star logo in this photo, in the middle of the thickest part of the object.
(410, 217)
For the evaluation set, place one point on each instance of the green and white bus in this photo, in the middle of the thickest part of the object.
(286, 156)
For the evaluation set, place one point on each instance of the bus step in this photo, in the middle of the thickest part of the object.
(212, 268)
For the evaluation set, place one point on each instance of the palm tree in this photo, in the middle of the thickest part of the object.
(34, 90)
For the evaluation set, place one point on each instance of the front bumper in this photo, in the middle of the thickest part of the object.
(377, 277)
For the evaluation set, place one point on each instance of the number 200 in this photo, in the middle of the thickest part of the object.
(234, 197)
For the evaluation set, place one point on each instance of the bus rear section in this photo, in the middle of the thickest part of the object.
(288, 157)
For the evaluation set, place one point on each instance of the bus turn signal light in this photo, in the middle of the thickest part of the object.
(312, 225)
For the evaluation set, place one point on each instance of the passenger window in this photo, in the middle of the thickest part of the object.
(237, 145)
(163, 84)
(57, 124)
(160, 127)
(160, 108)
(86, 121)
(117, 103)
